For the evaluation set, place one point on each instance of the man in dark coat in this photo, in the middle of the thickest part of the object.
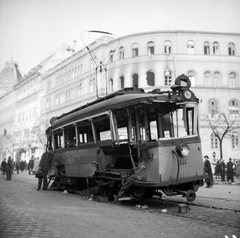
(230, 170)
(44, 166)
(222, 169)
(208, 171)
(3, 166)
(9, 168)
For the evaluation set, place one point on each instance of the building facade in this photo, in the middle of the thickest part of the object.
(153, 60)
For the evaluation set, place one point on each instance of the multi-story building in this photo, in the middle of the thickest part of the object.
(153, 60)
(9, 76)
(22, 126)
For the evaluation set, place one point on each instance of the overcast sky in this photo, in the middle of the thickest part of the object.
(31, 29)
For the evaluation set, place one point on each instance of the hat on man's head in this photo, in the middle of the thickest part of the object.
(206, 157)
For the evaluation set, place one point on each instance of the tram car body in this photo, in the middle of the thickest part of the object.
(130, 143)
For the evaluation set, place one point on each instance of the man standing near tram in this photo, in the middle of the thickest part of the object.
(44, 166)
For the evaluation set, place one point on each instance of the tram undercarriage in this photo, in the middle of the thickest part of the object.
(118, 184)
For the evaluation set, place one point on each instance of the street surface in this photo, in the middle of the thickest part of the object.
(25, 212)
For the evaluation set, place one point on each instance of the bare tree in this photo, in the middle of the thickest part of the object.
(221, 127)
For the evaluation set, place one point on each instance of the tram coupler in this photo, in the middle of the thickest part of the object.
(190, 194)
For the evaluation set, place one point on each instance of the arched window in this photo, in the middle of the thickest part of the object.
(150, 48)
(213, 109)
(167, 47)
(135, 80)
(81, 69)
(121, 53)
(91, 86)
(121, 81)
(111, 85)
(214, 141)
(134, 50)
(207, 77)
(81, 90)
(231, 49)
(206, 48)
(94, 85)
(190, 47)
(168, 77)
(232, 80)
(192, 78)
(234, 110)
(215, 48)
(150, 78)
(216, 79)
(78, 91)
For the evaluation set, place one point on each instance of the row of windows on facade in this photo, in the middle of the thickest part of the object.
(233, 108)
(77, 71)
(27, 90)
(65, 95)
(26, 136)
(168, 48)
(234, 141)
(27, 115)
(210, 79)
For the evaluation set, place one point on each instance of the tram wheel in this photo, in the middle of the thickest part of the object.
(190, 196)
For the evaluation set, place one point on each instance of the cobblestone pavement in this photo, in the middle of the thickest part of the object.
(25, 212)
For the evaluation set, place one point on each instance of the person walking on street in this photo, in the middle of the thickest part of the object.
(230, 171)
(3, 166)
(18, 166)
(222, 170)
(9, 168)
(44, 166)
(208, 171)
(36, 165)
(30, 165)
(217, 170)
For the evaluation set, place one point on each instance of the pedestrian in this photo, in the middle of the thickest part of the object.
(13, 166)
(22, 166)
(9, 168)
(3, 166)
(222, 169)
(44, 166)
(230, 170)
(30, 165)
(18, 165)
(217, 170)
(36, 165)
(208, 172)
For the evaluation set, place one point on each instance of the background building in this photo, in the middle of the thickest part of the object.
(153, 60)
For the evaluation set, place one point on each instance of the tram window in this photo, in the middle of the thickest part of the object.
(102, 128)
(142, 123)
(153, 125)
(58, 139)
(70, 136)
(122, 124)
(190, 121)
(85, 134)
(166, 126)
(185, 122)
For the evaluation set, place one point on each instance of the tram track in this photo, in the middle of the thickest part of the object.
(197, 212)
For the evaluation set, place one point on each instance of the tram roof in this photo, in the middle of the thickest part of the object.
(120, 99)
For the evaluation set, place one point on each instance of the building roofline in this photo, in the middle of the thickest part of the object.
(180, 32)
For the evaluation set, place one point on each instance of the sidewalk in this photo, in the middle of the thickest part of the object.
(218, 181)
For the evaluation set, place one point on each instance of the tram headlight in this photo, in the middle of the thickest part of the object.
(183, 149)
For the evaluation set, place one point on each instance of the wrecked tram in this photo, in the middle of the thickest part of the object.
(130, 143)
